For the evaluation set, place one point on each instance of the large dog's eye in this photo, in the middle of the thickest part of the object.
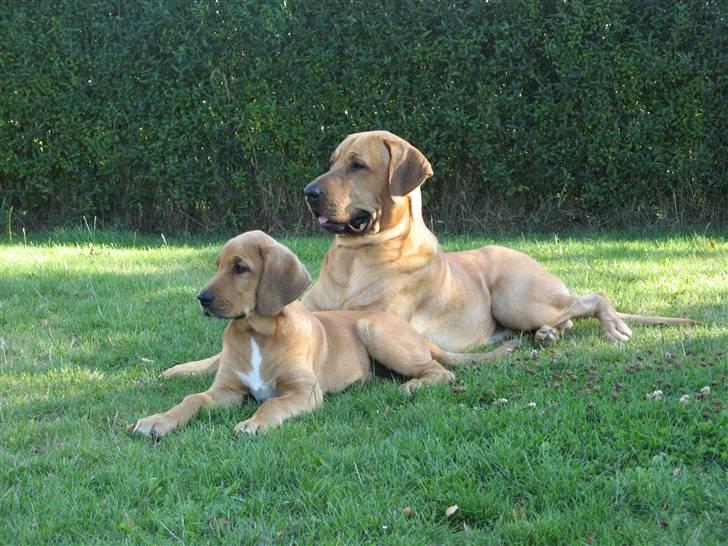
(357, 166)
(240, 268)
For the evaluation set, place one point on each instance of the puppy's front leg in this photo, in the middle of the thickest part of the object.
(159, 424)
(300, 395)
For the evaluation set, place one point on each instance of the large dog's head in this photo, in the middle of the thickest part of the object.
(364, 190)
(254, 274)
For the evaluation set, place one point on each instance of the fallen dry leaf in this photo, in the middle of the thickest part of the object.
(407, 510)
(450, 511)
(129, 521)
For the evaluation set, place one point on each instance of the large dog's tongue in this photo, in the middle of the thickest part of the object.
(355, 226)
(330, 226)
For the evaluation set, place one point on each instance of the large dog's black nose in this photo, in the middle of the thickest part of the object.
(206, 298)
(313, 192)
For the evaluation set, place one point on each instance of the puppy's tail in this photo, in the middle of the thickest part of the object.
(642, 319)
(450, 360)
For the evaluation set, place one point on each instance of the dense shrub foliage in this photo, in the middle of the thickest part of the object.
(193, 114)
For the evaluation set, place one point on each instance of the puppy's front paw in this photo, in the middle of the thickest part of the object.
(155, 426)
(250, 426)
(174, 371)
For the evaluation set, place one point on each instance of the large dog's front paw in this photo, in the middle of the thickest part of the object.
(155, 426)
(616, 329)
(251, 426)
(433, 377)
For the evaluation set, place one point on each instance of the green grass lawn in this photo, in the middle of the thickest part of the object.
(89, 320)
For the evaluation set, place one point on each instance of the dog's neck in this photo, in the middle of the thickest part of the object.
(264, 326)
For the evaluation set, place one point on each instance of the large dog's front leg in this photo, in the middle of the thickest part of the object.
(302, 394)
(159, 424)
(205, 366)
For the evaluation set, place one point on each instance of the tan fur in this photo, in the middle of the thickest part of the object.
(457, 300)
(302, 355)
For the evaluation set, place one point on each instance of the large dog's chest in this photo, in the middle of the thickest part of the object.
(353, 290)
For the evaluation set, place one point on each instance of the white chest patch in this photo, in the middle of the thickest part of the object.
(259, 389)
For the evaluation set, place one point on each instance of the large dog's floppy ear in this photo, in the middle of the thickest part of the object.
(408, 167)
(282, 280)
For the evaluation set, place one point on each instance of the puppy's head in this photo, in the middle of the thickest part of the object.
(362, 191)
(254, 274)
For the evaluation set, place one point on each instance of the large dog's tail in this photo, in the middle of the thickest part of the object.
(642, 319)
(448, 359)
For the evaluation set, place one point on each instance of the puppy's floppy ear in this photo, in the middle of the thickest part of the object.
(408, 167)
(281, 281)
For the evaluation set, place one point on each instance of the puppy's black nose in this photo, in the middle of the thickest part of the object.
(206, 297)
(313, 192)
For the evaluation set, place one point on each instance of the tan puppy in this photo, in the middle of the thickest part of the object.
(287, 357)
(384, 258)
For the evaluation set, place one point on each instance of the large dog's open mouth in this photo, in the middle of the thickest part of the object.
(357, 224)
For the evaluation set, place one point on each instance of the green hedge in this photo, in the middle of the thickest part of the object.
(179, 114)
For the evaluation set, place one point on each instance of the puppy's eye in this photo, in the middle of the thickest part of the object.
(239, 268)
